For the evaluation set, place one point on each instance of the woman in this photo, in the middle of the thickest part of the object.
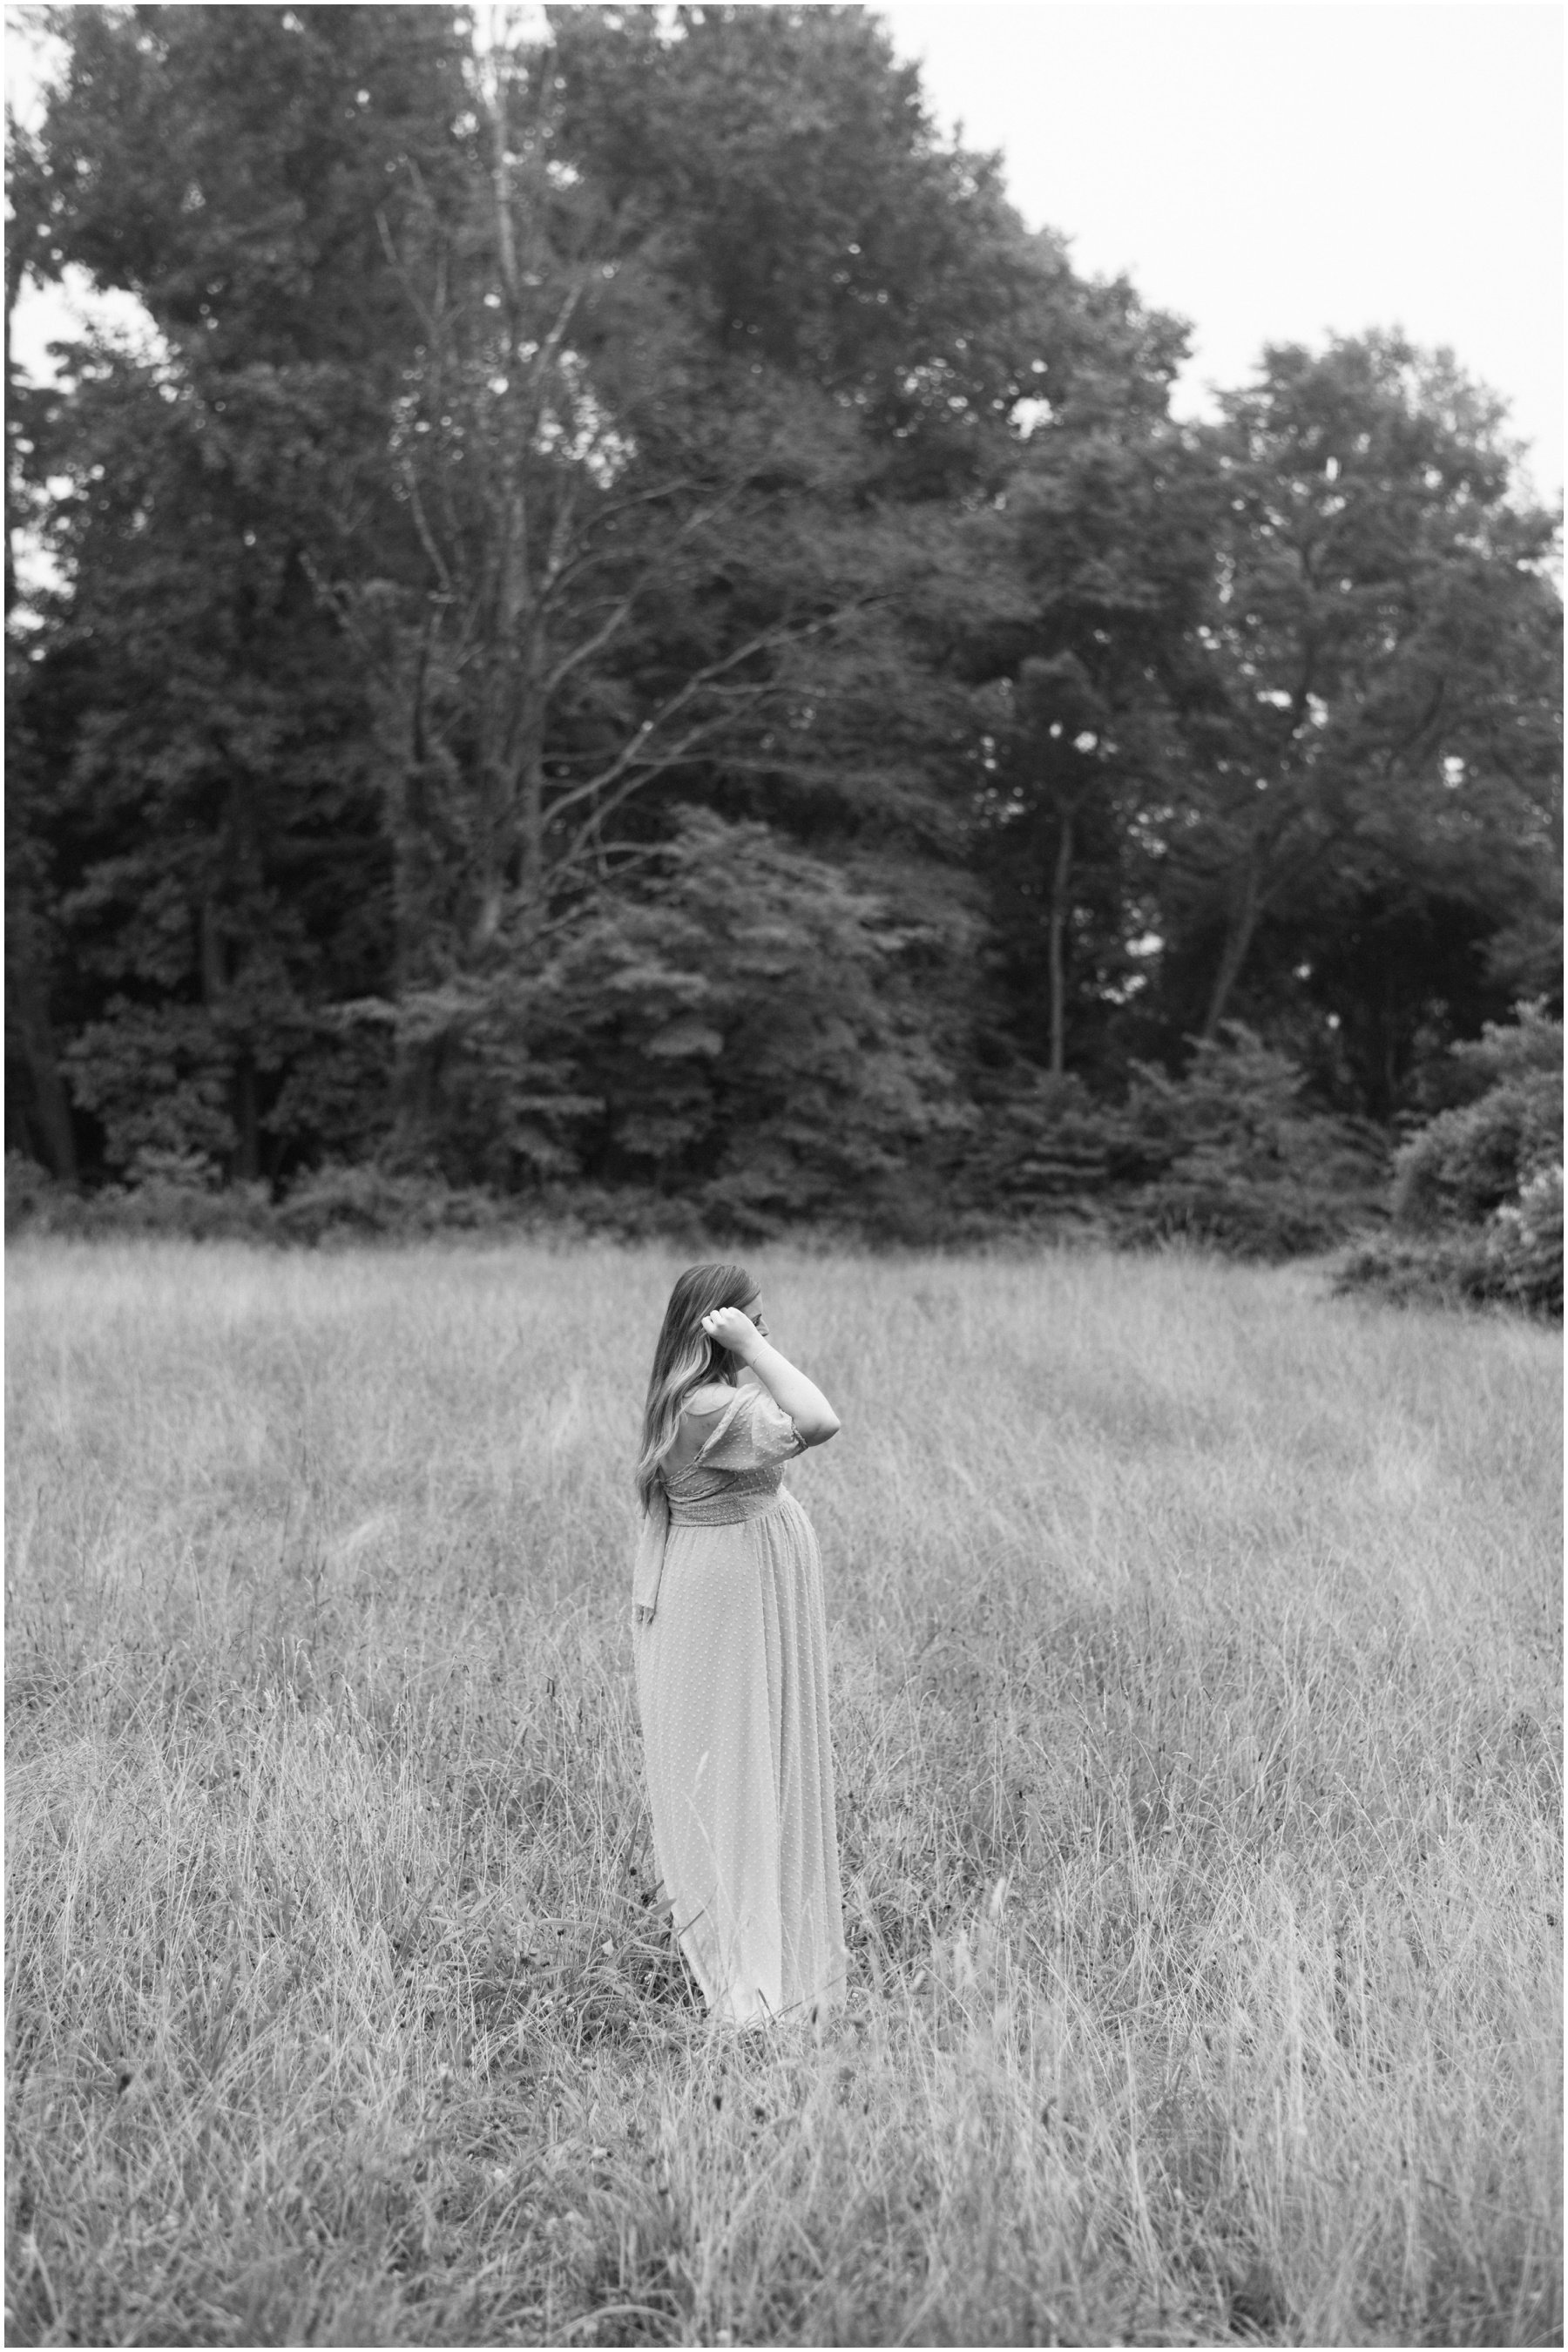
(731, 1658)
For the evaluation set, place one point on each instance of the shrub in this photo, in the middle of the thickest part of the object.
(1478, 1192)
(1478, 1157)
(178, 1195)
(740, 1028)
(360, 1202)
(166, 1202)
(1035, 1163)
(1514, 1260)
(1224, 1156)
(1041, 1144)
(1406, 1272)
(1231, 1160)
(1526, 1243)
(175, 1194)
(1210, 1203)
(31, 1194)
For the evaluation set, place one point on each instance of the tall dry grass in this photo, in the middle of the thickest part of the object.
(1196, 1655)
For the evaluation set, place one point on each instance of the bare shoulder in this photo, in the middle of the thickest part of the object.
(699, 1418)
(706, 1402)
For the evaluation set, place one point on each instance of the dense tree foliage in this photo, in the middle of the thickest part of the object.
(625, 623)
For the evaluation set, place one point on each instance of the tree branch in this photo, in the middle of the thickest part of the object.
(634, 753)
(622, 608)
(643, 773)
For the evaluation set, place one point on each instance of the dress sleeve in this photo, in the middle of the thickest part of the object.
(761, 1432)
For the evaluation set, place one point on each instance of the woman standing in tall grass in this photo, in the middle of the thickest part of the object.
(731, 1658)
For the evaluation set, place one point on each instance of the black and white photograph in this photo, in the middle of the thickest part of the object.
(783, 1174)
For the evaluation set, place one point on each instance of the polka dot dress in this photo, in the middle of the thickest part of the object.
(732, 1688)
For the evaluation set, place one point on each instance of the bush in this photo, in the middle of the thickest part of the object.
(1478, 1194)
(1040, 1149)
(1231, 1160)
(1477, 1158)
(163, 1203)
(1223, 1157)
(170, 1192)
(360, 1202)
(1514, 1260)
(173, 1194)
(182, 1197)
(1405, 1271)
(31, 1194)
(741, 1028)
(1216, 1207)
(1527, 1243)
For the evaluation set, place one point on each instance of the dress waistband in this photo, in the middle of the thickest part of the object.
(725, 1510)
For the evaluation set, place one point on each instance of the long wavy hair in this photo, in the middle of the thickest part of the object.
(685, 1358)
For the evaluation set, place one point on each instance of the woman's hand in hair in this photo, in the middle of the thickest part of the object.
(727, 1327)
(815, 1419)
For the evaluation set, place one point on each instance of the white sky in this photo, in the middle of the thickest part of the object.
(1277, 170)
(1271, 170)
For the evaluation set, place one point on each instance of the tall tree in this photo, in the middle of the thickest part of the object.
(210, 795)
(1105, 534)
(1381, 693)
(38, 1105)
(682, 501)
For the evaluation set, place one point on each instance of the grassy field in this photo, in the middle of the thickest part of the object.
(1196, 1653)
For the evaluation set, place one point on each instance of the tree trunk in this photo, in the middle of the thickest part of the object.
(1240, 926)
(18, 246)
(50, 1101)
(249, 1155)
(33, 1031)
(410, 759)
(1061, 908)
(528, 813)
(507, 719)
(508, 726)
(212, 956)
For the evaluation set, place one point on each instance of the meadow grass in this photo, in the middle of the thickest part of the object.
(1195, 1646)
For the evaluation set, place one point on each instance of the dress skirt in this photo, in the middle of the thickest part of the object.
(732, 1689)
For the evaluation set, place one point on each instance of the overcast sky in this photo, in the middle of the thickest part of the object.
(1272, 169)
(1277, 170)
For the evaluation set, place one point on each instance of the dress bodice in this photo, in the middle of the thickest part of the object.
(703, 1495)
(735, 1474)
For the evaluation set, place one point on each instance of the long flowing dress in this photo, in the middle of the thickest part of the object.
(732, 1669)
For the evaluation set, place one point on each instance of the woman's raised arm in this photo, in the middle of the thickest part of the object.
(813, 1416)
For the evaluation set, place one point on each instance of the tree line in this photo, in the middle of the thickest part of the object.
(626, 624)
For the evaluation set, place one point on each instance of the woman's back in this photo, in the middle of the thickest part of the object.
(700, 1418)
(734, 1440)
